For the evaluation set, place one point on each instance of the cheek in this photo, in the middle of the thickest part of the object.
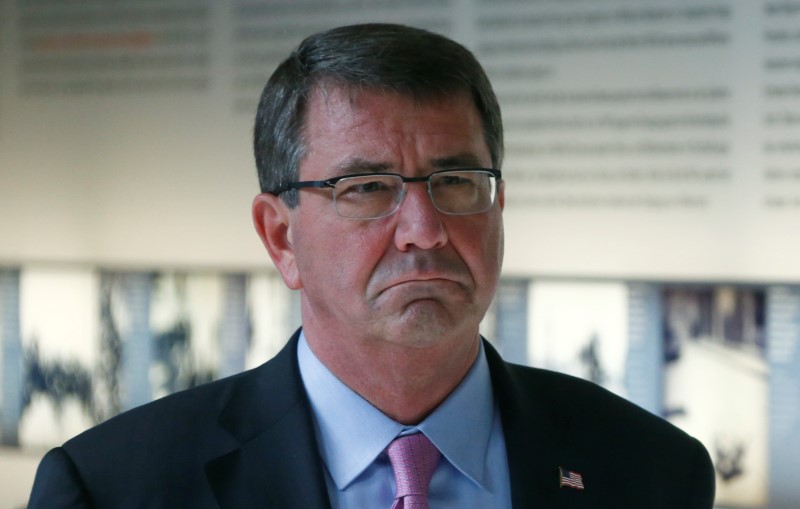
(340, 252)
(363, 249)
(480, 245)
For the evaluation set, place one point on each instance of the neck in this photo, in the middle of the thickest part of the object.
(404, 382)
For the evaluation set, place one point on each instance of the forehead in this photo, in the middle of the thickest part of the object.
(393, 131)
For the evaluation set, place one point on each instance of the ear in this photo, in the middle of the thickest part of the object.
(271, 219)
(501, 194)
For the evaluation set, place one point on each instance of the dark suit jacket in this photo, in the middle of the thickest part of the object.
(248, 441)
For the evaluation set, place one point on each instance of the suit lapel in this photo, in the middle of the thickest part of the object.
(276, 464)
(535, 439)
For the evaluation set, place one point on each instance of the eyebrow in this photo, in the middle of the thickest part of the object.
(359, 165)
(464, 160)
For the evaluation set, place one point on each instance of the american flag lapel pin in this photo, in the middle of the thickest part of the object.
(570, 479)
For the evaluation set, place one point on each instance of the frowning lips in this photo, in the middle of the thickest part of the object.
(422, 269)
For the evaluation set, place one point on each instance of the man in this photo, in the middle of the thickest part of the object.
(378, 148)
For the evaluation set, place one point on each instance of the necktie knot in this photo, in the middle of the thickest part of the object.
(413, 459)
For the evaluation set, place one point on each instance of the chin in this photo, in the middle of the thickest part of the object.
(427, 323)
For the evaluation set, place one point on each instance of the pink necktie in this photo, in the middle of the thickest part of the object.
(413, 458)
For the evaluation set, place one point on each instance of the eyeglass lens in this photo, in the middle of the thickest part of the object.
(452, 192)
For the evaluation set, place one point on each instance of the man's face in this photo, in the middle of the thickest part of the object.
(413, 277)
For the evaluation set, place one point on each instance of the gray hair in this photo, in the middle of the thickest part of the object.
(394, 58)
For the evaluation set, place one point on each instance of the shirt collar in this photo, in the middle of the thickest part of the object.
(353, 433)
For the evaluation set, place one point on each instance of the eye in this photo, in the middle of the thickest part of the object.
(455, 179)
(371, 186)
(366, 186)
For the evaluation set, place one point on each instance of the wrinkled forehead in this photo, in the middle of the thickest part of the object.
(341, 106)
(325, 88)
(337, 105)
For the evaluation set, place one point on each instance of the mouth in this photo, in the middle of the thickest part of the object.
(421, 289)
(423, 281)
(421, 275)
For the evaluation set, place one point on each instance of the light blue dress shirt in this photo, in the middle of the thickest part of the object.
(353, 434)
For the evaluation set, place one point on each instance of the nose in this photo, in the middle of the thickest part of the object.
(419, 224)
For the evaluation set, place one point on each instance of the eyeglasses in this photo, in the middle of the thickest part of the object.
(375, 195)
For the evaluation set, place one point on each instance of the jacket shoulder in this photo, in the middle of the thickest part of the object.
(584, 405)
(181, 414)
(630, 453)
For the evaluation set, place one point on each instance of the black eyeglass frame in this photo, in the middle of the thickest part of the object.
(331, 182)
